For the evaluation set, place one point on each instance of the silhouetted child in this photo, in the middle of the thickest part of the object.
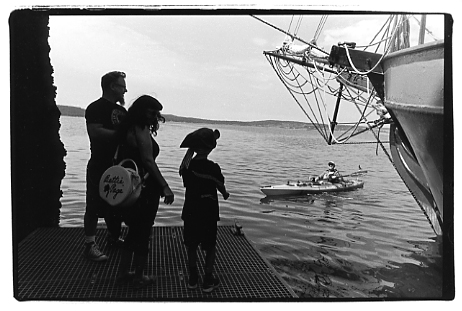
(202, 178)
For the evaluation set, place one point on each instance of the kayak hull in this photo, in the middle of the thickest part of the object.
(300, 188)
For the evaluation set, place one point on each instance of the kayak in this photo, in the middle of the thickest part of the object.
(297, 188)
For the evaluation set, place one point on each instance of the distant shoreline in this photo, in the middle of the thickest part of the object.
(71, 111)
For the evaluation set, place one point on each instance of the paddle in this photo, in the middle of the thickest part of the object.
(357, 173)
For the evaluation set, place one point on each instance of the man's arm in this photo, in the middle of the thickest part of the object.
(97, 132)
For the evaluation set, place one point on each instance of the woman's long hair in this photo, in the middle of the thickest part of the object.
(137, 115)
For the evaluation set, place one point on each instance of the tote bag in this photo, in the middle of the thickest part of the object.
(121, 184)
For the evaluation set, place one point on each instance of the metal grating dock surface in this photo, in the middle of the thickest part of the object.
(50, 266)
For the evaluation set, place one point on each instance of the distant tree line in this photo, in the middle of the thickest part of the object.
(79, 112)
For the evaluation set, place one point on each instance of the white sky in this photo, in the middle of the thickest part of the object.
(209, 67)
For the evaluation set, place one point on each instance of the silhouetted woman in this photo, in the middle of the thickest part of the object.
(137, 143)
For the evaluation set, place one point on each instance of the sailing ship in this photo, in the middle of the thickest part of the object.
(402, 88)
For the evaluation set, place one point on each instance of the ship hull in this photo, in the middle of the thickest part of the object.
(414, 96)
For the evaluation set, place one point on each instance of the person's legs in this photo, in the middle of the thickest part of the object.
(139, 260)
(136, 244)
(90, 222)
(192, 267)
(210, 255)
(90, 218)
(210, 282)
(209, 245)
(140, 228)
(91, 250)
(124, 274)
(141, 250)
(191, 241)
(114, 228)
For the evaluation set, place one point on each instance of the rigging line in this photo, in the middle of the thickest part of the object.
(381, 145)
(387, 21)
(324, 91)
(401, 38)
(341, 140)
(288, 33)
(399, 20)
(359, 110)
(370, 112)
(391, 42)
(385, 37)
(353, 96)
(360, 101)
(286, 69)
(299, 22)
(286, 74)
(319, 108)
(378, 134)
(317, 70)
(365, 72)
(371, 95)
(357, 123)
(362, 119)
(307, 101)
(314, 92)
(426, 29)
(296, 85)
(325, 83)
(321, 24)
(314, 86)
(270, 60)
(381, 58)
(290, 24)
(317, 32)
(355, 132)
(323, 97)
(362, 142)
(376, 43)
(392, 30)
(293, 88)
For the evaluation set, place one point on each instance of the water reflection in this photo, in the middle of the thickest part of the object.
(307, 199)
(337, 258)
(331, 277)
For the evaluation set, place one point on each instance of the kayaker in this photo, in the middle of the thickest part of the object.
(331, 175)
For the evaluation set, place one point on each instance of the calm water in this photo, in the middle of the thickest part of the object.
(369, 243)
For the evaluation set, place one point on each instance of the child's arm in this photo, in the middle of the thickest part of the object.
(221, 187)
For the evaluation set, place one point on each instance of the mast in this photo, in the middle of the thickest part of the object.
(423, 22)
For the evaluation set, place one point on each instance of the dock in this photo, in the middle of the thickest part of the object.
(49, 265)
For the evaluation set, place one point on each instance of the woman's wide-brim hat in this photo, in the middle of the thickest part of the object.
(203, 138)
